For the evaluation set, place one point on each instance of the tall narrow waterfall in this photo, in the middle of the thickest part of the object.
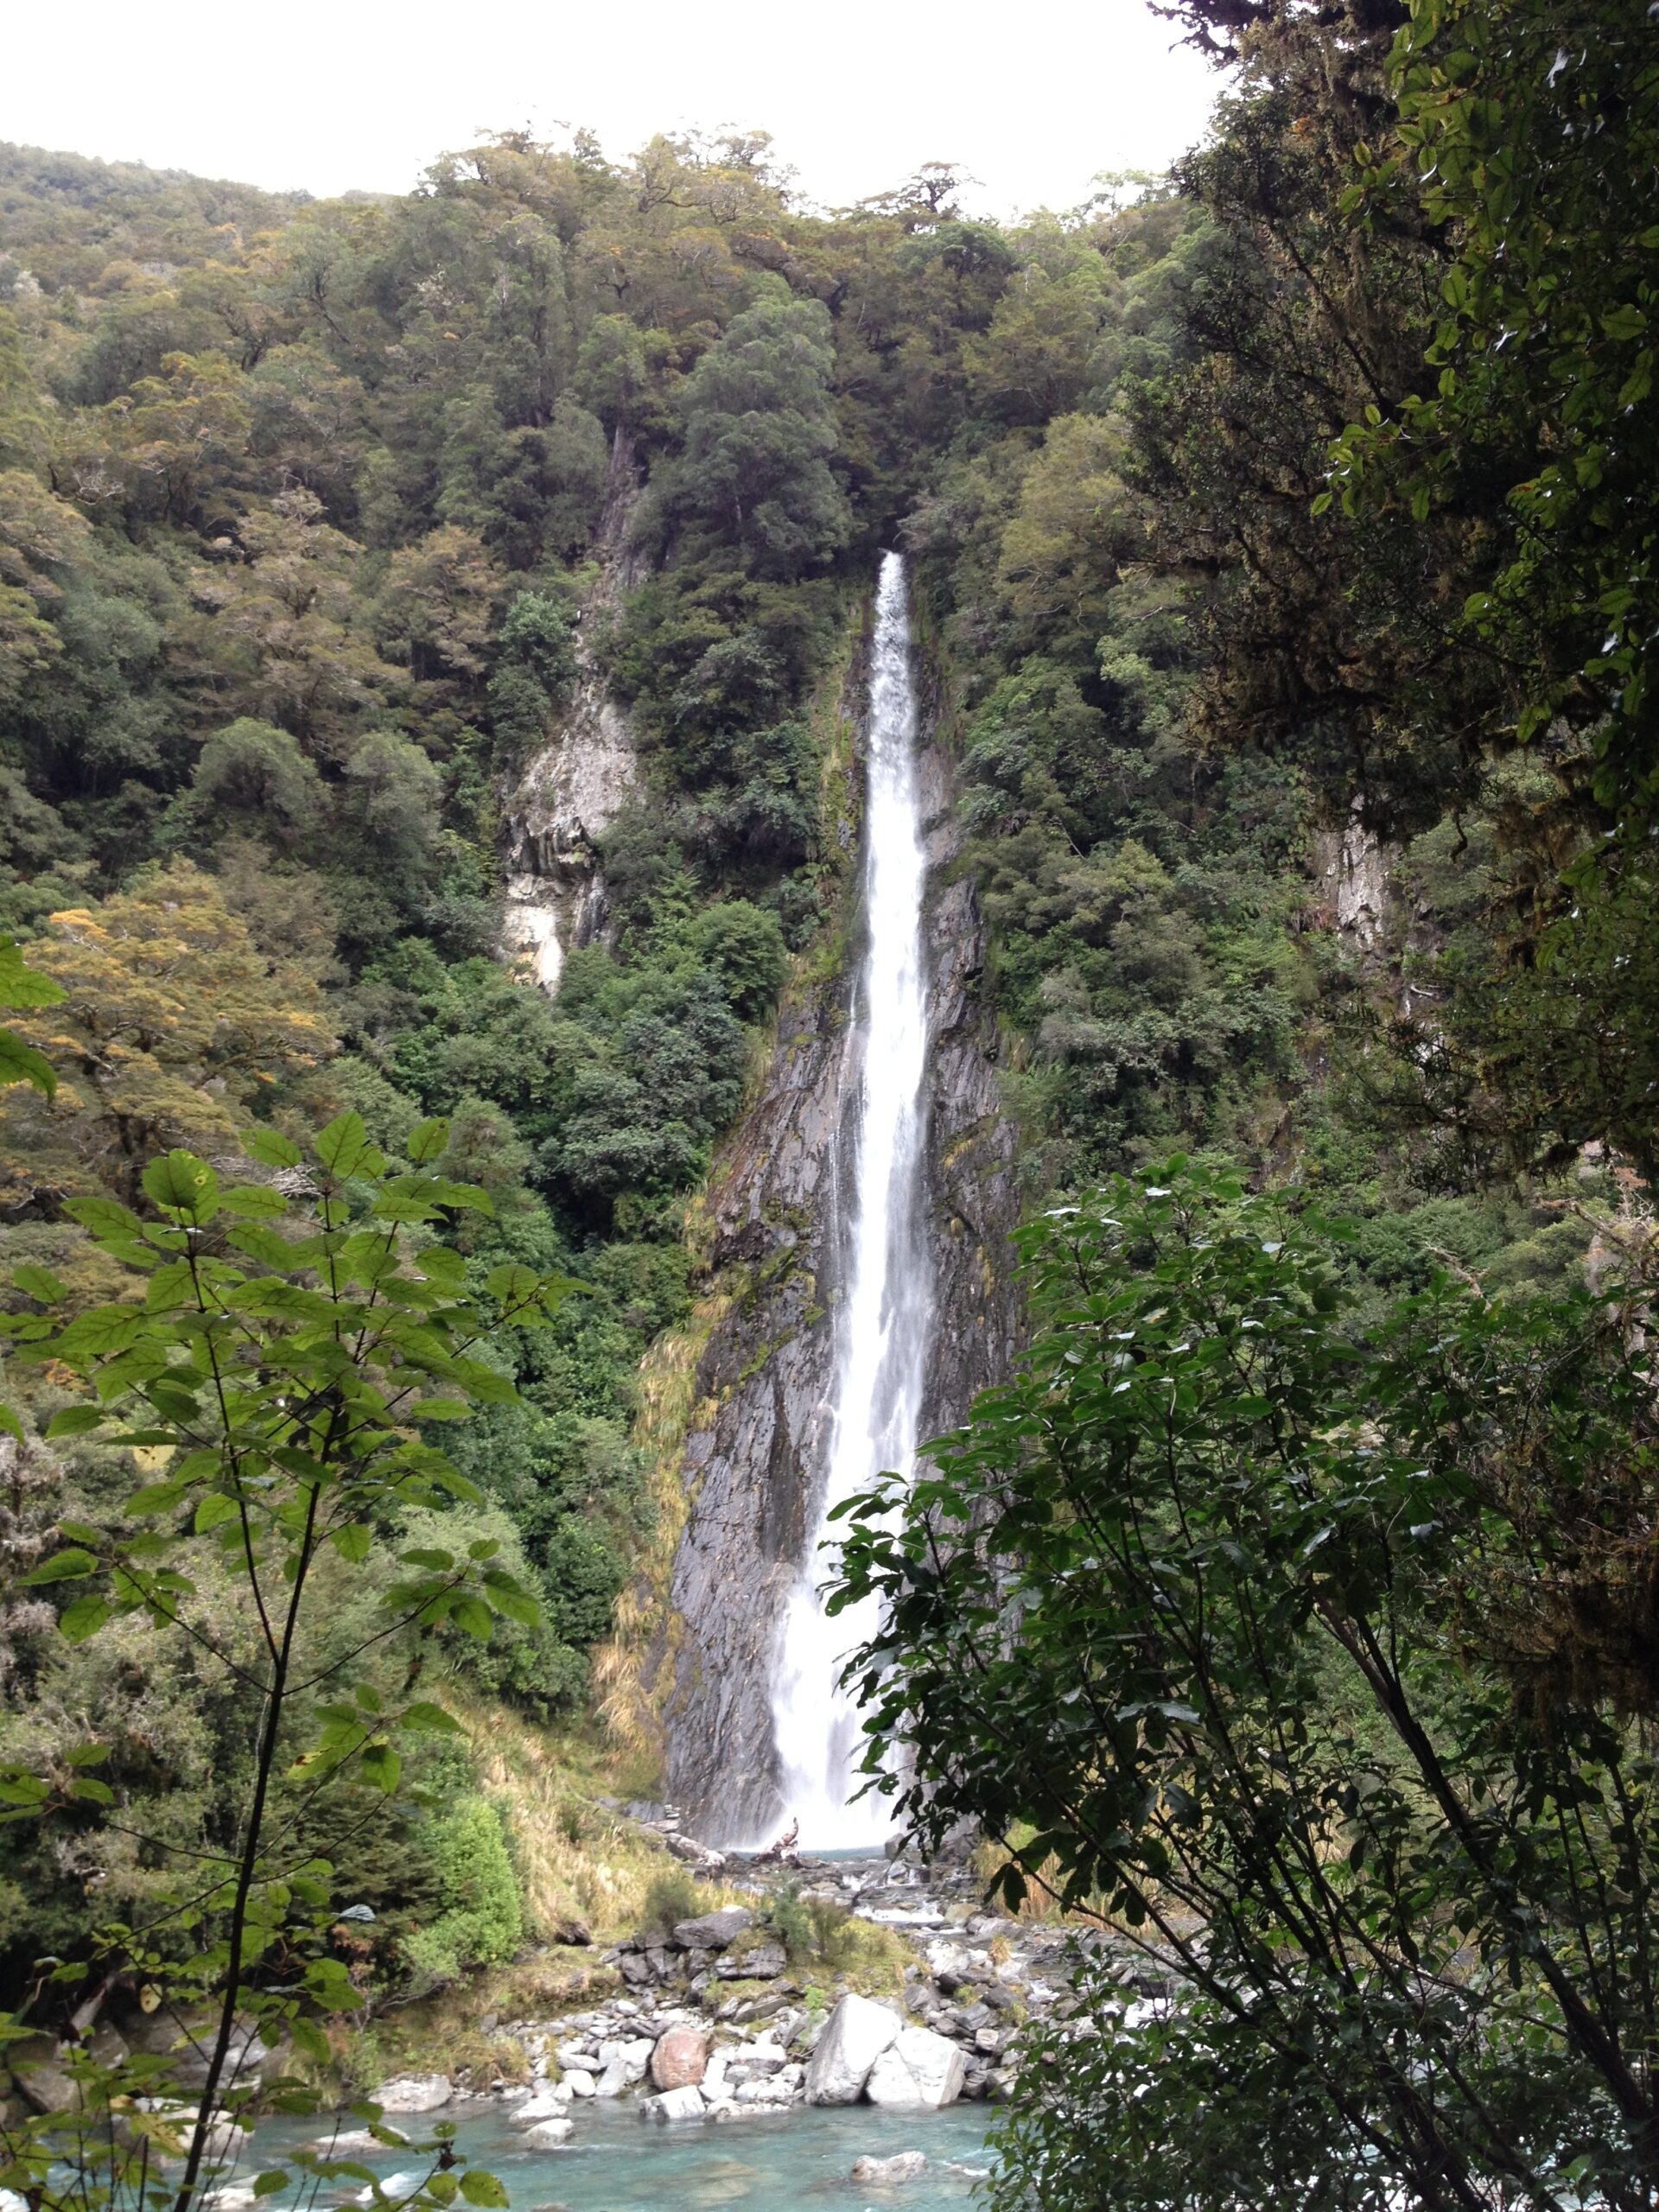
(883, 1314)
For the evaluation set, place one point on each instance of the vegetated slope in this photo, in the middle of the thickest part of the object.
(299, 506)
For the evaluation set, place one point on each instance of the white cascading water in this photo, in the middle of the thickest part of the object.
(883, 1315)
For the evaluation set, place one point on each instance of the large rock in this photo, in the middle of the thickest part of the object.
(679, 2058)
(414, 2093)
(714, 1930)
(855, 2037)
(904, 2165)
(684, 2103)
(764, 1962)
(548, 2134)
(546, 2104)
(40, 2068)
(918, 2067)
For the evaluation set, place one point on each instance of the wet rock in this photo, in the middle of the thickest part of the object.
(857, 2034)
(548, 2134)
(683, 2103)
(679, 2058)
(918, 2067)
(904, 2165)
(714, 1931)
(414, 2093)
(546, 2104)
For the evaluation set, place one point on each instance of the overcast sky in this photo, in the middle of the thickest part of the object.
(1034, 96)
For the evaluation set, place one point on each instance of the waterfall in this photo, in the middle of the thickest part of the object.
(883, 1315)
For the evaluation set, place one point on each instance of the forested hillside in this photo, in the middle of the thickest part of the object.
(1284, 545)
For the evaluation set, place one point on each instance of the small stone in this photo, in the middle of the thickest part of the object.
(904, 2165)
(578, 2081)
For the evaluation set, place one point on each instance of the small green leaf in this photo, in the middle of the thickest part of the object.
(272, 2182)
(90, 1791)
(482, 2189)
(352, 1541)
(39, 1283)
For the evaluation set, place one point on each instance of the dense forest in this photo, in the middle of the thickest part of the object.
(1284, 545)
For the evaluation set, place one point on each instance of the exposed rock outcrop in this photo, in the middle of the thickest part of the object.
(574, 786)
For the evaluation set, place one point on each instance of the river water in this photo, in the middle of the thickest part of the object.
(883, 1316)
(616, 2162)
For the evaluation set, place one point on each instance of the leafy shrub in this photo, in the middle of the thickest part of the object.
(480, 1922)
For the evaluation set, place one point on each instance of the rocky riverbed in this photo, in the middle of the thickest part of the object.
(714, 2024)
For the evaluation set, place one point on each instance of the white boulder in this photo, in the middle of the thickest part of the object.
(855, 2037)
(580, 2081)
(917, 2069)
(904, 2165)
(546, 2104)
(548, 2134)
(414, 2093)
(685, 2103)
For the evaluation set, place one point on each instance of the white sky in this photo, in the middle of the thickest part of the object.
(1033, 97)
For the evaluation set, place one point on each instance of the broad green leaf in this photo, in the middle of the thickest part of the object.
(21, 1063)
(270, 1147)
(75, 1420)
(83, 1617)
(423, 1717)
(39, 1283)
(352, 1541)
(62, 1566)
(343, 1144)
(180, 1183)
(482, 2189)
(427, 1140)
(254, 1200)
(22, 986)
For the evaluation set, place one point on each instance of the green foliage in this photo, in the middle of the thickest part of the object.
(1310, 1656)
(673, 1896)
(760, 433)
(478, 1922)
(264, 1382)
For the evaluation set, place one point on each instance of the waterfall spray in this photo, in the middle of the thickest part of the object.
(883, 1316)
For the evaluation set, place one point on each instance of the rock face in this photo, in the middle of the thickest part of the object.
(855, 2037)
(779, 1205)
(918, 2067)
(679, 2058)
(574, 786)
